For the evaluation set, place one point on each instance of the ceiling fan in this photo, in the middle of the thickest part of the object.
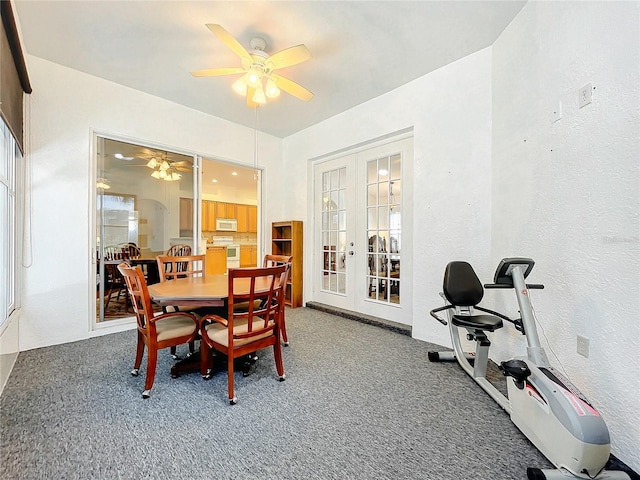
(259, 81)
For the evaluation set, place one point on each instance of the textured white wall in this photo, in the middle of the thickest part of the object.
(451, 171)
(64, 107)
(567, 193)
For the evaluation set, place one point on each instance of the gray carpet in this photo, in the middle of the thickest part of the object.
(359, 402)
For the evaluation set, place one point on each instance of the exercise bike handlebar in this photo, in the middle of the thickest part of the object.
(433, 313)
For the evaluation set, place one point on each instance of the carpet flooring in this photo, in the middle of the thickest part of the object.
(359, 402)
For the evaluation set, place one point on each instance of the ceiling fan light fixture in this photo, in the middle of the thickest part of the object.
(102, 184)
(156, 174)
(254, 77)
(175, 176)
(272, 89)
(164, 166)
(153, 163)
(258, 96)
(240, 85)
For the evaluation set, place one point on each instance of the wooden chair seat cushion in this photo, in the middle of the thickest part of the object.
(174, 327)
(217, 333)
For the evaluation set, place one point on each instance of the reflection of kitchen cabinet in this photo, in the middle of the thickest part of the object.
(286, 239)
(252, 220)
(243, 220)
(186, 217)
(225, 210)
(208, 215)
(247, 216)
(216, 260)
(248, 256)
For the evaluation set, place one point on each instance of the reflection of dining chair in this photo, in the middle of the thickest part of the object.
(114, 282)
(154, 331)
(130, 250)
(172, 267)
(179, 250)
(378, 263)
(272, 261)
(244, 332)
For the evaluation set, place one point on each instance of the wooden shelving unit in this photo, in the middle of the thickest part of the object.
(286, 239)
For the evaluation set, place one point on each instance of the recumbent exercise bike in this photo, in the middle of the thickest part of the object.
(553, 414)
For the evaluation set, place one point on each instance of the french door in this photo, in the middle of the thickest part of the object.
(362, 210)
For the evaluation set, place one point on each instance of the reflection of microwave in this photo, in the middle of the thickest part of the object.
(226, 225)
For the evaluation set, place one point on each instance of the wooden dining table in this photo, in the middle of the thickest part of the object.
(196, 292)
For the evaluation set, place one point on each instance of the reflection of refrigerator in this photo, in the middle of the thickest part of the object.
(120, 226)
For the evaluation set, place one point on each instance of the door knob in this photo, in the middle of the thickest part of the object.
(351, 252)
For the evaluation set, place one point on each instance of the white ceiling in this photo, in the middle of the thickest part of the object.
(360, 49)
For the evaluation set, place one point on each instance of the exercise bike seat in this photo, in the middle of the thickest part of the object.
(462, 288)
(487, 323)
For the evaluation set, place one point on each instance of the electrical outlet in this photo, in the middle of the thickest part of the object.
(583, 346)
(584, 95)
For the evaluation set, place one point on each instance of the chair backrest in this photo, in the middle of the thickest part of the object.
(271, 260)
(138, 292)
(112, 252)
(260, 289)
(171, 267)
(130, 250)
(179, 250)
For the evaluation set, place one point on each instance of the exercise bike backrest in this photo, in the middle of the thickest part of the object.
(461, 286)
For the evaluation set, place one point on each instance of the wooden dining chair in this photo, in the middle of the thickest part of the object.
(179, 250)
(271, 260)
(154, 331)
(244, 332)
(172, 267)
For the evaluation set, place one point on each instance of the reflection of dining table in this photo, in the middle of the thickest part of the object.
(149, 266)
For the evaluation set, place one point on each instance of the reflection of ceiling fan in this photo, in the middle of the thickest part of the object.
(163, 168)
(259, 81)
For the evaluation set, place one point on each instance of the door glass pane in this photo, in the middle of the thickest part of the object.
(139, 192)
(384, 206)
(334, 214)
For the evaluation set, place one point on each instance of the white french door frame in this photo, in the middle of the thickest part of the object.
(354, 297)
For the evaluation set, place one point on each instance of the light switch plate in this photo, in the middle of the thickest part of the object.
(583, 346)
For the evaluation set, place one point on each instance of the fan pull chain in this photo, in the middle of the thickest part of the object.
(255, 146)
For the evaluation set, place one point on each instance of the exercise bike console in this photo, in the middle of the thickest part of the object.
(547, 408)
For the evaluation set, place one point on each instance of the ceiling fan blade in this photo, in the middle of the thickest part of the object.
(231, 43)
(183, 169)
(292, 88)
(289, 56)
(215, 72)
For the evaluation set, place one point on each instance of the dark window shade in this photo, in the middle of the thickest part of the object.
(13, 74)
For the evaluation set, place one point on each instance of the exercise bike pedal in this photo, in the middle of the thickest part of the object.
(517, 369)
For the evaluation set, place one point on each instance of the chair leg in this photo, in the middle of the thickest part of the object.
(283, 328)
(206, 360)
(152, 360)
(139, 353)
(232, 398)
(277, 353)
(173, 353)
